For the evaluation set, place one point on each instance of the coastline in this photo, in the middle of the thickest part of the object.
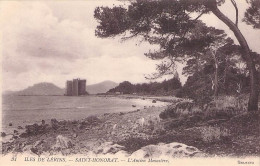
(39, 108)
(129, 132)
(86, 133)
(144, 97)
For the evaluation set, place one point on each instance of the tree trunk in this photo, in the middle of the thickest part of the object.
(225, 76)
(254, 89)
(216, 82)
(215, 75)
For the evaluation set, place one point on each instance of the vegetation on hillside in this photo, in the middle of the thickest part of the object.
(167, 87)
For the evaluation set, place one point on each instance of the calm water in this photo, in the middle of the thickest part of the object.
(22, 110)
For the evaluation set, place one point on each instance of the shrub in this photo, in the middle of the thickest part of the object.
(91, 120)
(225, 107)
(173, 124)
(239, 103)
(132, 144)
(218, 113)
(169, 113)
(183, 107)
(155, 127)
(214, 134)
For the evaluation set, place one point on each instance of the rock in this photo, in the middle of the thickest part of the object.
(108, 147)
(114, 127)
(170, 150)
(141, 121)
(75, 135)
(32, 129)
(154, 101)
(35, 129)
(27, 148)
(37, 143)
(80, 126)
(62, 143)
(91, 120)
(15, 132)
(3, 134)
(7, 138)
(10, 124)
(34, 150)
(19, 127)
(74, 122)
(37, 147)
(43, 122)
(122, 153)
(63, 122)
(133, 105)
(54, 124)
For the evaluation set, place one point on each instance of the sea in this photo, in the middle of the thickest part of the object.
(24, 110)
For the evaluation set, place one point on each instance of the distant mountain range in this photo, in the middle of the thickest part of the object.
(44, 88)
(40, 89)
(101, 87)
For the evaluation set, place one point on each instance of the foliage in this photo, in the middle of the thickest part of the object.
(167, 87)
(169, 112)
(232, 77)
(91, 120)
(236, 102)
(214, 134)
(252, 15)
(223, 107)
(167, 23)
(181, 37)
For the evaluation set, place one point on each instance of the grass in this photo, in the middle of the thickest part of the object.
(211, 134)
(224, 127)
(221, 108)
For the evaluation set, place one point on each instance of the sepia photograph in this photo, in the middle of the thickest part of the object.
(130, 82)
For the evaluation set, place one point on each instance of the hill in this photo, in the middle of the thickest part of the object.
(8, 92)
(41, 89)
(101, 87)
(167, 87)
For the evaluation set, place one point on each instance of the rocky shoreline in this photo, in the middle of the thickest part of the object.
(143, 97)
(94, 134)
(141, 132)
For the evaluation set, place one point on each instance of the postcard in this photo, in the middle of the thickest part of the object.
(138, 82)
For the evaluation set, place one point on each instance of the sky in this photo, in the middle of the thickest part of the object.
(54, 41)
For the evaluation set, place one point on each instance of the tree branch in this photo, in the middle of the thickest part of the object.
(199, 15)
(235, 5)
(129, 37)
(160, 73)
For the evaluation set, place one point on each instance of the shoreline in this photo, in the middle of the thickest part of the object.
(124, 106)
(143, 97)
(107, 127)
(134, 130)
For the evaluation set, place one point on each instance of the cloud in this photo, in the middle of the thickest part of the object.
(37, 33)
(53, 41)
